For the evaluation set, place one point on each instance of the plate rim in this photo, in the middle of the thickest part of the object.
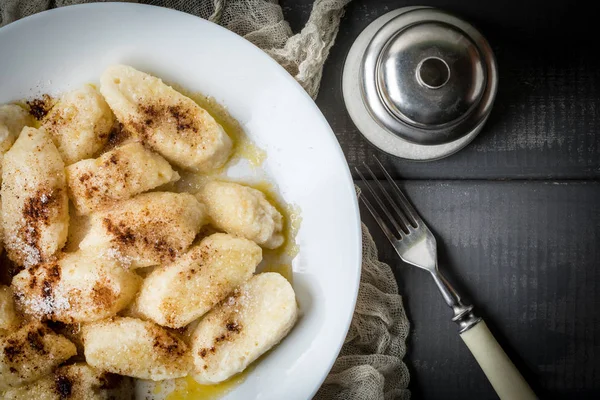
(349, 182)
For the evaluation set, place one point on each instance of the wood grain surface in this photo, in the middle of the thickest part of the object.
(526, 254)
(515, 213)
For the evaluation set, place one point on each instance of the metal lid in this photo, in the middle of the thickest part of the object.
(428, 77)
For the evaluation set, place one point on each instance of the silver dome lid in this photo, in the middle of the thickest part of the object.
(425, 76)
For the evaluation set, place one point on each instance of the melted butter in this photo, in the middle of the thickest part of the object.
(280, 259)
(188, 389)
(36, 124)
(291, 219)
(22, 104)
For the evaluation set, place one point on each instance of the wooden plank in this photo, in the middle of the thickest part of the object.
(527, 255)
(547, 114)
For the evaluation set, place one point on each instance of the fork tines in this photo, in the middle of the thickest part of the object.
(403, 219)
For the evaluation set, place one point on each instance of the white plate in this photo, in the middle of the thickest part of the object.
(59, 49)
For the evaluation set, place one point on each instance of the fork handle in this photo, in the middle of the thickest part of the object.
(501, 372)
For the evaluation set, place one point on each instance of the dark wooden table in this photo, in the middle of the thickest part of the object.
(516, 212)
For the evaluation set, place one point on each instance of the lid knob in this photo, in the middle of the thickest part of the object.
(433, 73)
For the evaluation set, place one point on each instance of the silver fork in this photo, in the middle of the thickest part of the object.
(416, 245)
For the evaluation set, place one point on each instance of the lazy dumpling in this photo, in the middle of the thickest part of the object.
(243, 211)
(35, 206)
(149, 229)
(169, 122)
(79, 123)
(30, 353)
(13, 119)
(176, 294)
(243, 327)
(78, 287)
(77, 382)
(136, 348)
(116, 175)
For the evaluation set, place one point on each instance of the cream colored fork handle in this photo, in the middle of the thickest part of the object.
(508, 383)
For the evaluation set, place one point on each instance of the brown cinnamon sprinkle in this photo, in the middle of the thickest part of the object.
(202, 353)
(122, 233)
(102, 295)
(162, 247)
(37, 208)
(33, 282)
(117, 136)
(233, 327)
(158, 114)
(39, 108)
(12, 351)
(35, 341)
(64, 386)
(43, 279)
(37, 212)
(19, 342)
(112, 160)
(167, 343)
(150, 238)
(85, 177)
